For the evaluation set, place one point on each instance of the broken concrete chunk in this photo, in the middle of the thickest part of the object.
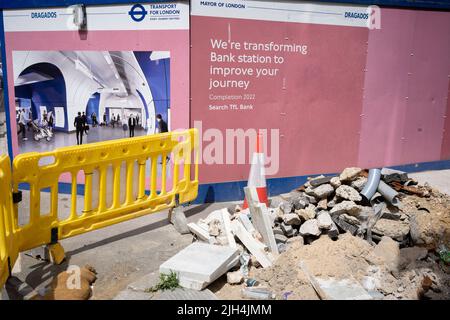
(348, 193)
(202, 224)
(391, 175)
(280, 238)
(244, 219)
(275, 202)
(286, 207)
(409, 255)
(215, 215)
(291, 219)
(324, 220)
(299, 202)
(222, 240)
(349, 174)
(319, 181)
(278, 230)
(201, 233)
(199, 264)
(321, 191)
(323, 204)
(335, 182)
(227, 228)
(350, 219)
(253, 245)
(311, 199)
(214, 227)
(261, 219)
(282, 247)
(179, 221)
(333, 232)
(346, 207)
(297, 239)
(394, 229)
(286, 230)
(346, 289)
(332, 203)
(286, 196)
(388, 250)
(306, 214)
(359, 183)
(427, 228)
(235, 277)
(310, 227)
(347, 227)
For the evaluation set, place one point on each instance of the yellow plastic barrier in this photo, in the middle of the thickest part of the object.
(130, 164)
(8, 248)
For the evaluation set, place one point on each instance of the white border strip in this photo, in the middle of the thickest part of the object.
(156, 16)
(285, 11)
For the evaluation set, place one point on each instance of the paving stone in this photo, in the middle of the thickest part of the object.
(200, 264)
(133, 295)
(185, 294)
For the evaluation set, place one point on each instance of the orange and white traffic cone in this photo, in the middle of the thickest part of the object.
(257, 176)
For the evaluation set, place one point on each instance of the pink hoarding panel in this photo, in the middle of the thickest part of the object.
(445, 153)
(385, 89)
(427, 87)
(313, 99)
(405, 88)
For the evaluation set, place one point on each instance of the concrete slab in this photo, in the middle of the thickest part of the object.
(227, 228)
(146, 282)
(261, 218)
(243, 218)
(133, 295)
(253, 245)
(343, 289)
(199, 232)
(185, 294)
(200, 264)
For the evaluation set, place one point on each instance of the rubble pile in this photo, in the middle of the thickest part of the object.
(387, 243)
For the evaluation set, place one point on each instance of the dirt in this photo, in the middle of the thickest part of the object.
(430, 219)
(417, 276)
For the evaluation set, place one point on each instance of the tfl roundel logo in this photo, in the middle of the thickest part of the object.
(137, 12)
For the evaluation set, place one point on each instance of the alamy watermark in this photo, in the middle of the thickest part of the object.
(231, 146)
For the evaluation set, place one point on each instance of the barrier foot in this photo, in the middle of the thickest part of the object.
(57, 254)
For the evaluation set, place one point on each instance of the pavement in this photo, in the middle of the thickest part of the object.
(121, 254)
(439, 179)
(127, 256)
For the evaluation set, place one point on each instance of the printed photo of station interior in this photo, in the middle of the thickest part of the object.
(107, 87)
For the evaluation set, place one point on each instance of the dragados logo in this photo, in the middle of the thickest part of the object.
(137, 12)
